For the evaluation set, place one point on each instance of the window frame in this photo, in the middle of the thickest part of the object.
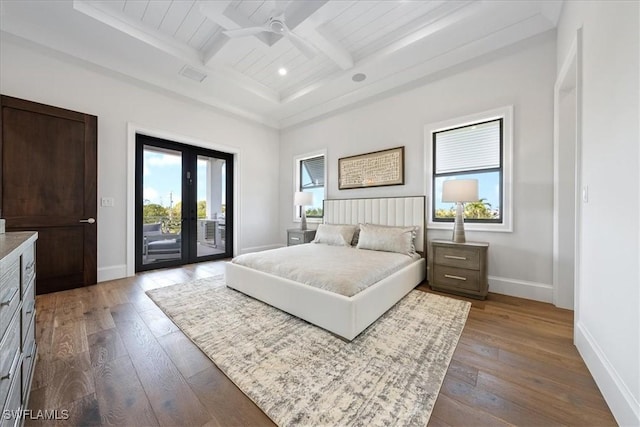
(506, 115)
(297, 174)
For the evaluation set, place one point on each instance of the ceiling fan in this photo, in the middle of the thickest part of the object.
(277, 25)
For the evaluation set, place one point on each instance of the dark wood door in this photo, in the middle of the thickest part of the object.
(48, 185)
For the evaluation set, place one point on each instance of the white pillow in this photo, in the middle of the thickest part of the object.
(387, 238)
(336, 235)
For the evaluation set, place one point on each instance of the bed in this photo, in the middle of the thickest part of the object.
(348, 312)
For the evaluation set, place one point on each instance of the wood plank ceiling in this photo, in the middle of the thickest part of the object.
(392, 42)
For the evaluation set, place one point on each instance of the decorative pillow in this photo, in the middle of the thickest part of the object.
(387, 238)
(336, 235)
(356, 236)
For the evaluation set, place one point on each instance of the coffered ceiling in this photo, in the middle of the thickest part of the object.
(335, 52)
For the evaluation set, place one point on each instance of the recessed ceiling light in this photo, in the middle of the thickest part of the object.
(358, 77)
(282, 71)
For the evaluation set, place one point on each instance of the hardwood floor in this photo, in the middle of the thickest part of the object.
(109, 356)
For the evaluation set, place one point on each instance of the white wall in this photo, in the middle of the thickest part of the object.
(520, 263)
(42, 75)
(608, 295)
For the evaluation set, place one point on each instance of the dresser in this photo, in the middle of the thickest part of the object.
(295, 236)
(17, 322)
(459, 268)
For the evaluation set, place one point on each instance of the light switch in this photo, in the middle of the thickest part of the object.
(107, 202)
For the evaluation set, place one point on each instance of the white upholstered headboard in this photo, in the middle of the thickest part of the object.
(402, 211)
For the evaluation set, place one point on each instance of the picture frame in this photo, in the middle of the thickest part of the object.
(374, 169)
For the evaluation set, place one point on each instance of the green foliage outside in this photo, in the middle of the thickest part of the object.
(314, 213)
(474, 210)
(171, 219)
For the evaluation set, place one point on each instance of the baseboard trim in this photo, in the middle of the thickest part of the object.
(111, 273)
(521, 288)
(623, 405)
(259, 248)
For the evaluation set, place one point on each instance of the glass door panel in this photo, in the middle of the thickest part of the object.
(184, 204)
(211, 202)
(161, 238)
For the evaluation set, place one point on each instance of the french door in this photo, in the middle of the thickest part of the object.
(184, 204)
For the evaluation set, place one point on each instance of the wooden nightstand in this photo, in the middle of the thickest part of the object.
(295, 236)
(459, 268)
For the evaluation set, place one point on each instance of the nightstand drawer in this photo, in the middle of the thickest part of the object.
(457, 257)
(456, 277)
(297, 237)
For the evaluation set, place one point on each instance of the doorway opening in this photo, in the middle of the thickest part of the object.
(567, 182)
(183, 203)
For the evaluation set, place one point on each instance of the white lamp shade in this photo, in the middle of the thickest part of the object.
(301, 198)
(460, 190)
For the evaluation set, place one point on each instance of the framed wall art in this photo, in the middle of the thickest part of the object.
(376, 169)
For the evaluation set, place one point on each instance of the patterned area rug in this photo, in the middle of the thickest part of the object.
(299, 374)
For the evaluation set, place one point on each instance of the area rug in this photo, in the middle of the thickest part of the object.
(301, 375)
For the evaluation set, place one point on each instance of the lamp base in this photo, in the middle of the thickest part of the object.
(458, 225)
(303, 220)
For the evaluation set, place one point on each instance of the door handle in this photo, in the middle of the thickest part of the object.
(89, 220)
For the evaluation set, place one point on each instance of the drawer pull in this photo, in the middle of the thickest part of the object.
(31, 307)
(29, 267)
(295, 238)
(12, 369)
(462, 258)
(9, 295)
(451, 276)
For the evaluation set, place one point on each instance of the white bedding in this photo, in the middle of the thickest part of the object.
(343, 270)
(345, 316)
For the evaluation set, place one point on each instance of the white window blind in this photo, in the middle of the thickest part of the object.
(312, 173)
(473, 147)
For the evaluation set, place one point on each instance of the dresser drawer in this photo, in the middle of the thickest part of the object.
(9, 357)
(9, 296)
(29, 356)
(28, 266)
(457, 257)
(13, 404)
(28, 309)
(457, 278)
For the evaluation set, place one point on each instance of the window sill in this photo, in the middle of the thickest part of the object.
(495, 228)
(310, 220)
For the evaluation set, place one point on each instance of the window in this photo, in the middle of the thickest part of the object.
(310, 177)
(474, 147)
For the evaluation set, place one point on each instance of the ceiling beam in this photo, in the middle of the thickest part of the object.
(330, 46)
(311, 30)
(138, 31)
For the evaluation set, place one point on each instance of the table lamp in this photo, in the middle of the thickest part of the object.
(459, 191)
(303, 199)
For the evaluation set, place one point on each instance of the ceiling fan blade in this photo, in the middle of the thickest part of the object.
(244, 32)
(306, 48)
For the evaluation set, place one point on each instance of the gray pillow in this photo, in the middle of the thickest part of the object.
(336, 235)
(388, 238)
